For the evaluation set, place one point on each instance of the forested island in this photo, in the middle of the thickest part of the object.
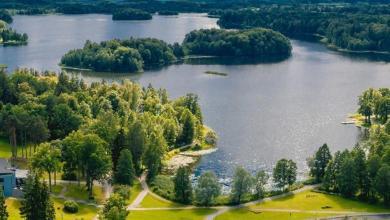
(132, 55)
(350, 27)
(136, 55)
(131, 14)
(7, 35)
(243, 43)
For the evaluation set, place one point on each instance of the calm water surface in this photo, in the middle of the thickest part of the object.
(261, 112)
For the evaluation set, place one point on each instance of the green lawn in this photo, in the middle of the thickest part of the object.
(135, 190)
(194, 214)
(153, 202)
(80, 192)
(5, 148)
(248, 215)
(85, 211)
(303, 203)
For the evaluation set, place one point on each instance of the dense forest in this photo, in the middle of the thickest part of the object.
(364, 171)
(88, 128)
(250, 43)
(131, 14)
(7, 35)
(355, 27)
(132, 55)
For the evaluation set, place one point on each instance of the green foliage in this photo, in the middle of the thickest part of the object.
(123, 190)
(36, 203)
(382, 183)
(242, 185)
(260, 181)
(318, 163)
(354, 27)
(71, 206)
(114, 208)
(131, 55)
(154, 153)
(124, 173)
(183, 187)
(47, 159)
(131, 14)
(3, 207)
(247, 43)
(163, 186)
(207, 189)
(5, 16)
(285, 173)
(187, 135)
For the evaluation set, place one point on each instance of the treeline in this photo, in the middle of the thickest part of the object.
(131, 14)
(245, 186)
(353, 27)
(248, 43)
(61, 124)
(363, 172)
(132, 55)
(135, 55)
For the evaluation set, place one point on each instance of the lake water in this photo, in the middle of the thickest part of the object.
(261, 112)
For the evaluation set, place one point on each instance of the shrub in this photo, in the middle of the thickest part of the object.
(71, 206)
(163, 186)
(122, 190)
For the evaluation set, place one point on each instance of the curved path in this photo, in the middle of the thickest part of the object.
(222, 209)
(227, 208)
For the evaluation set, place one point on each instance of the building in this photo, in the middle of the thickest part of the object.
(7, 177)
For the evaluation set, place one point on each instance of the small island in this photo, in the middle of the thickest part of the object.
(255, 43)
(131, 14)
(131, 55)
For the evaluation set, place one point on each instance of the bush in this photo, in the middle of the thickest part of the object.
(71, 206)
(123, 190)
(163, 186)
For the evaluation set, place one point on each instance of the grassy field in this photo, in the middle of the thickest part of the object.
(5, 148)
(303, 205)
(85, 211)
(195, 214)
(80, 192)
(135, 190)
(153, 202)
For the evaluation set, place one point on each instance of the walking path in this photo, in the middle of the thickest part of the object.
(134, 206)
(227, 208)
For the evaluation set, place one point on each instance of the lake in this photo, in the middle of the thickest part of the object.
(261, 112)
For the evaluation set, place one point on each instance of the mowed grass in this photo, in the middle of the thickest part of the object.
(5, 148)
(74, 191)
(135, 190)
(309, 200)
(85, 211)
(246, 214)
(304, 205)
(190, 214)
(153, 202)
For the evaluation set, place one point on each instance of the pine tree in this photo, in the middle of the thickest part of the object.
(183, 188)
(125, 172)
(36, 203)
(3, 207)
(188, 132)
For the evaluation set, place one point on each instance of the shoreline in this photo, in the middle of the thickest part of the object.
(188, 155)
